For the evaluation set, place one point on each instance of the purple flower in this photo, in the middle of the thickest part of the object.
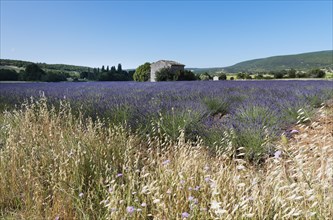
(130, 209)
(294, 132)
(207, 179)
(81, 194)
(196, 188)
(166, 162)
(99, 99)
(57, 217)
(190, 198)
(277, 154)
(185, 215)
(144, 204)
(119, 175)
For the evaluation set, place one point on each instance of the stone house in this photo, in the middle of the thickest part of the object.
(216, 78)
(157, 66)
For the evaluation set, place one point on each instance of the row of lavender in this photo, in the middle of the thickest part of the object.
(252, 110)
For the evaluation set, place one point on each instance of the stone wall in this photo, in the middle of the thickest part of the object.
(157, 66)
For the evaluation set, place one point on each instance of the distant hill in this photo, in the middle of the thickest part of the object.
(20, 65)
(304, 61)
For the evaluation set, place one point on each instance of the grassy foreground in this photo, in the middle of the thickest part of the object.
(54, 165)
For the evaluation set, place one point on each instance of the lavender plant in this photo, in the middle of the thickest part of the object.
(252, 110)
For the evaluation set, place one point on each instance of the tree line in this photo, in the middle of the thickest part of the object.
(107, 74)
(283, 74)
(34, 72)
(142, 74)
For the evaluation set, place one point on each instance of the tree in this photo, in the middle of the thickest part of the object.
(84, 75)
(247, 76)
(278, 75)
(240, 75)
(107, 69)
(8, 75)
(33, 72)
(205, 76)
(113, 69)
(119, 69)
(131, 74)
(54, 77)
(317, 73)
(284, 73)
(89, 75)
(185, 75)
(301, 74)
(142, 73)
(114, 75)
(223, 76)
(292, 73)
(103, 68)
(259, 76)
(166, 74)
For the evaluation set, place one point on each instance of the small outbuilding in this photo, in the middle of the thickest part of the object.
(161, 64)
(216, 78)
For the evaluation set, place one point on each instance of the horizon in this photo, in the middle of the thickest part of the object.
(191, 67)
(199, 34)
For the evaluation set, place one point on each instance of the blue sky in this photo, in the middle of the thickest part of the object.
(196, 33)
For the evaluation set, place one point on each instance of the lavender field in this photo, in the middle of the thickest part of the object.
(187, 150)
(253, 111)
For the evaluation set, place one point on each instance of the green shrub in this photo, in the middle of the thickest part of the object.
(292, 73)
(259, 76)
(217, 106)
(223, 76)
(251, 143)
(205, 76)
(278, 75)
(317, 73)
(252, 138)
(8, 75)
(301, 75)
(33, 73)
(240, 75)
(185, 75)
(247, 76)
(54, 77)
(142, 73)
(166, 74)
(171, 123)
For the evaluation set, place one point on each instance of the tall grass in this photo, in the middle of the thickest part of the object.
(54, 165)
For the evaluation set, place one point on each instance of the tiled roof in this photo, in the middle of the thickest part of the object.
(170, 62)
